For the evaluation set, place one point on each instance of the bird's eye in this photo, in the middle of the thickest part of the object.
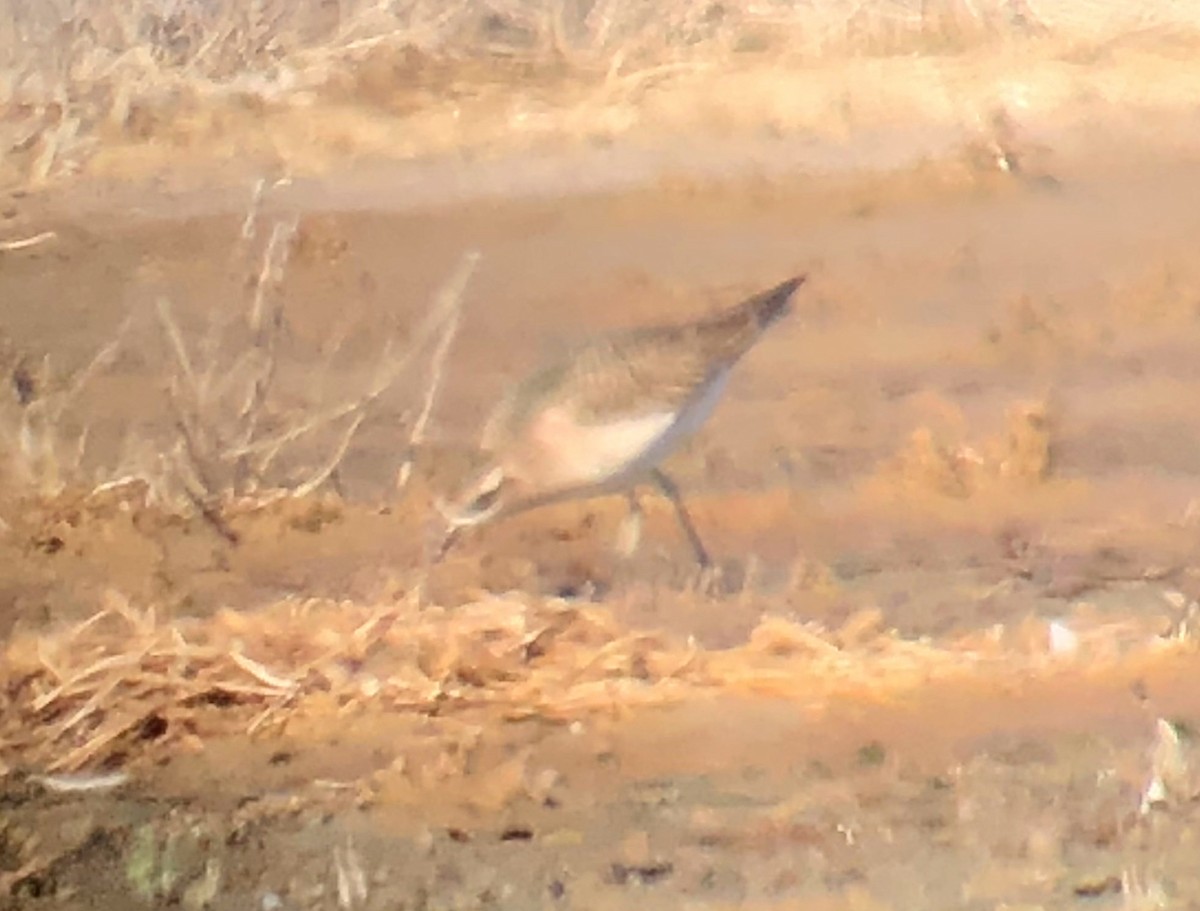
(486, 500)
(489, 497)
(487, 490)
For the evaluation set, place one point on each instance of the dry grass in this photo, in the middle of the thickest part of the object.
(239, 438)
(41, 456)
(128, 683)
(941, 461)
(80, 75)
(239, 435)
(242, 438)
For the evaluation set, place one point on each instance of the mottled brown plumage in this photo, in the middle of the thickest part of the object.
(640, 370)
(601, 417)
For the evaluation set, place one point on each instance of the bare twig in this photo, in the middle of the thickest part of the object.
(212, 514)
(230, 429)
(102, 360)
(81, 783)
(261, 673)
(274, 261)
(387, 373)
(250, 221)
(321, 475)
(167, 319)
(39, 450)
(8, 246)
(449, 303)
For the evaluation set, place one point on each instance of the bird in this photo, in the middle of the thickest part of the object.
(601, 417)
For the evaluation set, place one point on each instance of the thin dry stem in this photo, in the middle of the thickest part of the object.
(231, 431)
(178, 346)
(520, 657)
(323, 473)
(41, 454)
(24, 243)
(274, 261)
(449, 305)
(80, 784)
(250, 222)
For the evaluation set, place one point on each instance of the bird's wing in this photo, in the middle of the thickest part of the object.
(637, 373)
(641, 372)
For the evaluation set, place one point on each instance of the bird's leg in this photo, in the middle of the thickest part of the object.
(449, 539)
(671, 491)
(629, 533)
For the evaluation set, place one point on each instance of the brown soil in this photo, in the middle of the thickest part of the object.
(978, 423)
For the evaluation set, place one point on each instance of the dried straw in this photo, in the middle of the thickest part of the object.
(127, 683)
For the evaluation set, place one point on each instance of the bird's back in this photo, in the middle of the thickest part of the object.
(641, 370)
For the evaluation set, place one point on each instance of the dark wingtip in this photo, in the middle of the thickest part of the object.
(774, 304)
(792, 285)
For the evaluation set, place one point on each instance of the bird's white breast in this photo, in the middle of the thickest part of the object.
(581, 454)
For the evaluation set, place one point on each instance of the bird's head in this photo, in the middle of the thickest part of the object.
(480, 499)
(485, 495)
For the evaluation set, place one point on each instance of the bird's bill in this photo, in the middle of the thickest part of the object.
(481, 502)
(449, 539)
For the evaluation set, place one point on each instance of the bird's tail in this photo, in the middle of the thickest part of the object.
(739, 327)
(768, 307)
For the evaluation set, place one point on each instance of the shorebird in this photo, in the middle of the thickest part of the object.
(602, 416)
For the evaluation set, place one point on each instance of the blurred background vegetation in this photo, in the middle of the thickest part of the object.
(76, 74)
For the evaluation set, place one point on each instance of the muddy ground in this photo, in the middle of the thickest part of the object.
(976, 432)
